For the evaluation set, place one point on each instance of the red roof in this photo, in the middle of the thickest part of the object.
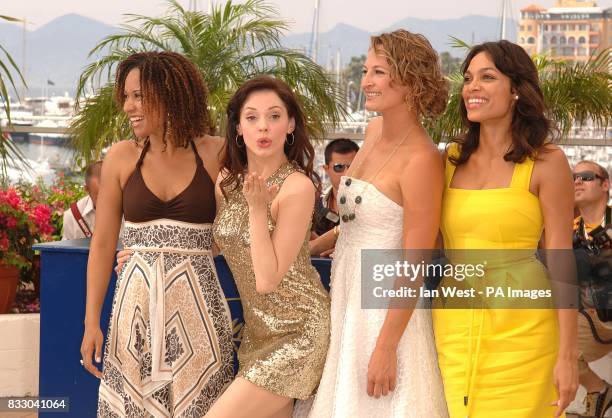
(532, 8)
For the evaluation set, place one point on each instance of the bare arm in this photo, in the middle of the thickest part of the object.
(210, 149)
(555, 192)
(102, 251)
(323, 243)
(421, 184)
(272, 255)
(104, 241)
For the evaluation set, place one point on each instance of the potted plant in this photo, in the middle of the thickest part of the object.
(22, 224)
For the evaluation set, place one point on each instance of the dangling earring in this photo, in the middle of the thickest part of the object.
(238, 143)
(292, 139)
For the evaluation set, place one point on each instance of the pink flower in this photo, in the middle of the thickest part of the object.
(12, 198)
(42, 217)
(11, 222)
(4, 243)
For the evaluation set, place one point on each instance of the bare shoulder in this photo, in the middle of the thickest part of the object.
(424, 159)
(124, 148)
(551, 169)
(423, 151)
(209, 149)
(209, 144)
(551, 153)
(122, 153)
(422, 163)
(373, 129)
(297, 183)
(550, 160)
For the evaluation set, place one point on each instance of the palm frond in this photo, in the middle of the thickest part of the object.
(459, 44)
(448, 125)
(98, 124)
(8, 150)
(576, 93)
(232, 44)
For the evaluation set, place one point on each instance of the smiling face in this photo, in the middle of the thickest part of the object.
(381, 93)
(487, 92)
(265, 123)
(144, 123)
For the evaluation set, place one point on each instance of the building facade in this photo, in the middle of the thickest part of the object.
(572, 30)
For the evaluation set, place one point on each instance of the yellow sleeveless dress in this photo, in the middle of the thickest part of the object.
(496, 363)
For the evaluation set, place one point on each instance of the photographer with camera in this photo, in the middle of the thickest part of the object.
(339, 155)
(592, 238)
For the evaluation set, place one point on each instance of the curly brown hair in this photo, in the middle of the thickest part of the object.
(531, 130)
(234, 157)
(414, 63)
(173, 86)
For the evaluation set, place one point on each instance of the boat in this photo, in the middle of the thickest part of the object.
(21, 115)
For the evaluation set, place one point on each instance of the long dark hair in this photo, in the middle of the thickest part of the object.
(234, 157)
(530, 128)
(172, 84)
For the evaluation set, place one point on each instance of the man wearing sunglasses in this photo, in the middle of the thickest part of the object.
(592, 192)
(339, 155)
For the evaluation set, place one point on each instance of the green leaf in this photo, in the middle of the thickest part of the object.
(236, 42)
(9, 153)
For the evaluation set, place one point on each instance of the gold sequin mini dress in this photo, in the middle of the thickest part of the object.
(286, 332)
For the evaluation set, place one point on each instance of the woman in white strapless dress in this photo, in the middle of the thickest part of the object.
(382, 363)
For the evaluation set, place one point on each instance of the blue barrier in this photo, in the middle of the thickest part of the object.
(62, 310)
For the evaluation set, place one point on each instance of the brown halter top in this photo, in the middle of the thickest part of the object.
(195, 204)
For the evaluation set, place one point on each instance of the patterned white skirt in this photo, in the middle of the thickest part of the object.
(168, 351)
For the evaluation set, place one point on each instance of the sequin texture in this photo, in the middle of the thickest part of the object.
(286, 332)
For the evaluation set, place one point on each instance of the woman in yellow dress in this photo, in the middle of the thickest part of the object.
(505, 184)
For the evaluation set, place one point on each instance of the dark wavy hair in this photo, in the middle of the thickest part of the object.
(531, 130)
(234, 157)
(171, 85)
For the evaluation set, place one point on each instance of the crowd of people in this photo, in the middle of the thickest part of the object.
(184, 194)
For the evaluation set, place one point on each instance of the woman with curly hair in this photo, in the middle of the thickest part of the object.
(382, 362)
(506, 184)
(169, 344)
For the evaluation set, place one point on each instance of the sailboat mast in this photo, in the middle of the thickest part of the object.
(23, 58)
(338, 69)
(502, 34)
(315, 39)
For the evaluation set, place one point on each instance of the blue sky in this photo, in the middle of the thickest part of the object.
(370, 15)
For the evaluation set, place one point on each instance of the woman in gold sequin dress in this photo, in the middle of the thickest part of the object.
(265, 198)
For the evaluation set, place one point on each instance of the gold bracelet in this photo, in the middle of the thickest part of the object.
(336, 230)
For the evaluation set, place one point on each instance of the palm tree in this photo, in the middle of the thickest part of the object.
(8, 150)
(575, 93)
(229, 46)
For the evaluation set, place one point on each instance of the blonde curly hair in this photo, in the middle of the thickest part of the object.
(414, 63)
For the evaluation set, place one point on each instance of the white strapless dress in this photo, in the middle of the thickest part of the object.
(342, 391)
